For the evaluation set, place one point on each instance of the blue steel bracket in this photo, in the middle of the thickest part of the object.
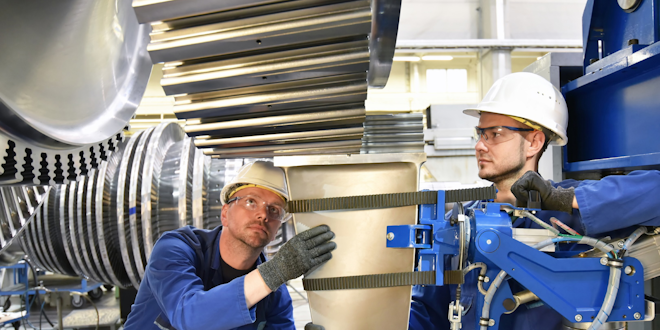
(444, 240)
(570, 286)
(434, 237)
(409, 236)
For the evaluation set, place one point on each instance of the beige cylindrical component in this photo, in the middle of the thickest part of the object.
(360, 234)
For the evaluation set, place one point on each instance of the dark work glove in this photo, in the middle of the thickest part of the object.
(312, 326)
(557, 199)
(300, 254)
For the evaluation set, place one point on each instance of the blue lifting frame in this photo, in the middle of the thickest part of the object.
(613, 107)
(571, 286)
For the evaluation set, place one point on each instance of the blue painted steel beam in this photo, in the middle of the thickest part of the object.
(615, 115)
(570, 286)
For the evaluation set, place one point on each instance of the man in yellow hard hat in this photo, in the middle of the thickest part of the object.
(520, 116)
(220, 279)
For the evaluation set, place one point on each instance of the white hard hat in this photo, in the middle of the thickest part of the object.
(259, 174)
(527, 96)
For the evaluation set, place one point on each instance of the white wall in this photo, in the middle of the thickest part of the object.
(435, 21)
(470, 19)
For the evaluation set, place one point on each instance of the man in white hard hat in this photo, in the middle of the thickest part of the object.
(519, 117)
(220, 279)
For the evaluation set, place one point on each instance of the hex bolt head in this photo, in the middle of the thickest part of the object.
(491, 322)
(486, 279)
(637, 316)
(619, 244)
(390, 236)
(627, 270)
(578, 318)
(603, 261)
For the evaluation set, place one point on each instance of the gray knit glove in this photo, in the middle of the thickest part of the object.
(300, 254)
(556, 199)
(312, 326)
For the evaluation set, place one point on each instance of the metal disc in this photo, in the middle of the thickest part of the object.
(42, 230)
(37, 242)
(92, 231)
(85, 217)
(136, 225)
(31, 248)
(107, 220)
(65, 234)
(164, 136)
(74, 229)
(199, 188)
(83, 235)
(170, 190)
(54, 235)
(122, 211)
(106, 79)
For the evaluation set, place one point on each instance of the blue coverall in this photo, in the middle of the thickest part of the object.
(613, 206)
(182, 290)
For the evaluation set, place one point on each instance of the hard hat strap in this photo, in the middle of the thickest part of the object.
(527, 122)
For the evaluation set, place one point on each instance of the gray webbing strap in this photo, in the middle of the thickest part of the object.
(369, 281)
(389, 200)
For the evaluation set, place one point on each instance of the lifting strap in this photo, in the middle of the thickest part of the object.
(389, 200)
(380, 280)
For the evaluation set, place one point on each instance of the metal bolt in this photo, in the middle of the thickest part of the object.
(491, 322)
(390, 236)
(486, 279)
(637, 316)
(603, 261)
(619, 244)
(488, 241)
(578, 318)
(628, 270)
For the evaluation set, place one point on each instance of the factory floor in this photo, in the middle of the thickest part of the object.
(109, 304)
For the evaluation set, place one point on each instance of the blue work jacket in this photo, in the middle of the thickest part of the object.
(182, 290)
(613, 206)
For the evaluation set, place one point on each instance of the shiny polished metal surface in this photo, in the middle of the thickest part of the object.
(122, 211)
(164, 136)
(282, 138)
(382, 41)
(228, 63)
(71, 76)
(136, 225)
(19, 206)
(273, 98)
(108, 220)
(360, 234)
(290, 65)
(97, 226)
(393, 134)
(308, 23)
(331, 117)
(629, 5)
(161, 10)
(333, 147)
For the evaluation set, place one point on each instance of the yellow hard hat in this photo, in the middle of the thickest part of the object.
(260, 174)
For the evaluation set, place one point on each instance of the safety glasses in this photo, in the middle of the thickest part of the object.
(251, 203)
(497, 134)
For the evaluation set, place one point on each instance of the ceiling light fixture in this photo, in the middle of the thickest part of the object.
(406, 59)
(437, 58)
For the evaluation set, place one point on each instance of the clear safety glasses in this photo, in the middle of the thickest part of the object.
(497, 134)
(274, 212)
